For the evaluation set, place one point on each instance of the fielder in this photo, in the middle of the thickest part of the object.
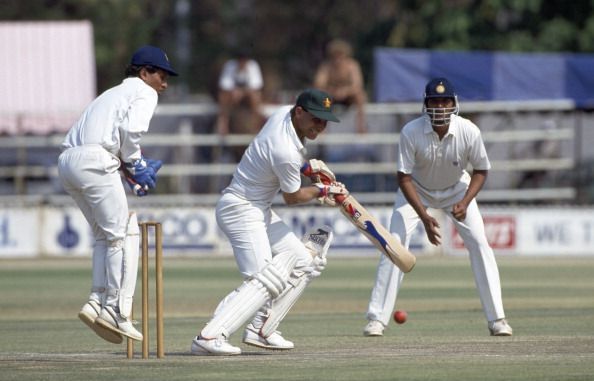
(435, 150)
(276, 265)
(105, 138)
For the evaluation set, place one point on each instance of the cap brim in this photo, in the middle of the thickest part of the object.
(324, 115)
(169, 70)
(439, 96)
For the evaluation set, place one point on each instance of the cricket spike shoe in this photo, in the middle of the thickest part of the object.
(275, 341)
(88, 315)
(213, 347)
(374, 328)
(113, 321)
(500, 328)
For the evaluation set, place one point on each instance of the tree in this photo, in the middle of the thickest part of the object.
(288, 37)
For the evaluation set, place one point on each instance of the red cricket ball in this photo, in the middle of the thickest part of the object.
(400, 316)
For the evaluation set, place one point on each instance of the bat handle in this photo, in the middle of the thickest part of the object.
(339, 198)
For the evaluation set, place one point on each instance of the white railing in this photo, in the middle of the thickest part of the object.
(185, 138)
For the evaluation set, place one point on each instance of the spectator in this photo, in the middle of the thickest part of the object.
(240, 83)
(340, 75)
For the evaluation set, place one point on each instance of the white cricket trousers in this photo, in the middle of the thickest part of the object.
(90, 175)
(256, 234)
(482, 260)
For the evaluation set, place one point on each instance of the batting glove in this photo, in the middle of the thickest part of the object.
(327, 192)
(318, 172)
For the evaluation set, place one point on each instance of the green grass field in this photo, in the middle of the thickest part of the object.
(549, 302)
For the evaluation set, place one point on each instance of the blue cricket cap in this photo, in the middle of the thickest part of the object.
(152, 56)
(439, 88)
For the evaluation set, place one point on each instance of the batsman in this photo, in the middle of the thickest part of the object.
(276, 265)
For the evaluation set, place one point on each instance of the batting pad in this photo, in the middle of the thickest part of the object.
(129, 266)
(244, 302)
(282, 304)
(241, 305)
(317, 241)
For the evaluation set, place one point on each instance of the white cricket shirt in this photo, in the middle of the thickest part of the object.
(438, 165)
(116, 120)
(232, 76)
(272, 161)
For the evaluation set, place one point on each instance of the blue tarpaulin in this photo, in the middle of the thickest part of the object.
(401, 75)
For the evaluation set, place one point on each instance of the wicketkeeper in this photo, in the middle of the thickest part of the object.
(105, 139)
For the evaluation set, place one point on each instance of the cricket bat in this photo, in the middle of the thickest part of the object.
(376, 233)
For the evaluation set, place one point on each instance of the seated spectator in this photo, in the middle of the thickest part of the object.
(340, 76)
(240, 83)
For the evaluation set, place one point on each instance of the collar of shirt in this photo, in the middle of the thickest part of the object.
(293, 135)
(140, 83)
(452, 129)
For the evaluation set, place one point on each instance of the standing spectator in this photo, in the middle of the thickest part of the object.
(435, 150)
(340, 75)
(106, 138)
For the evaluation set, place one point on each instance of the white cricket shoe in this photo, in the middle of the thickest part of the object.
(89, 313)
(500, 328)
(113, 321)
(374, 328)
(251, 336)
(213, 347)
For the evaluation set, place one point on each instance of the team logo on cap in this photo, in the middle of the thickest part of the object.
(327, 103)
(440, 88)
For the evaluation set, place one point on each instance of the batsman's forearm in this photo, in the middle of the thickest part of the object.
(304, 194)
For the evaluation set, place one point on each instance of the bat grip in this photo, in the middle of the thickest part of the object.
(339, 198)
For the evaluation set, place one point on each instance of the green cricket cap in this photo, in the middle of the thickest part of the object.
(317, 103)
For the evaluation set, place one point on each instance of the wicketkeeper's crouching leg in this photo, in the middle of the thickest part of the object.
(121, 274)
(92, 308)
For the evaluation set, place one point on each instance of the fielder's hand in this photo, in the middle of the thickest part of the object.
(318, 172)
(327, 192)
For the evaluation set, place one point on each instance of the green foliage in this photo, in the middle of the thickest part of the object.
(289, 37)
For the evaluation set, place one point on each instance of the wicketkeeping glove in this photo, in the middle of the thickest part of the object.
(155, 164)
(318, 172)
(136, 188)
(142, 173)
